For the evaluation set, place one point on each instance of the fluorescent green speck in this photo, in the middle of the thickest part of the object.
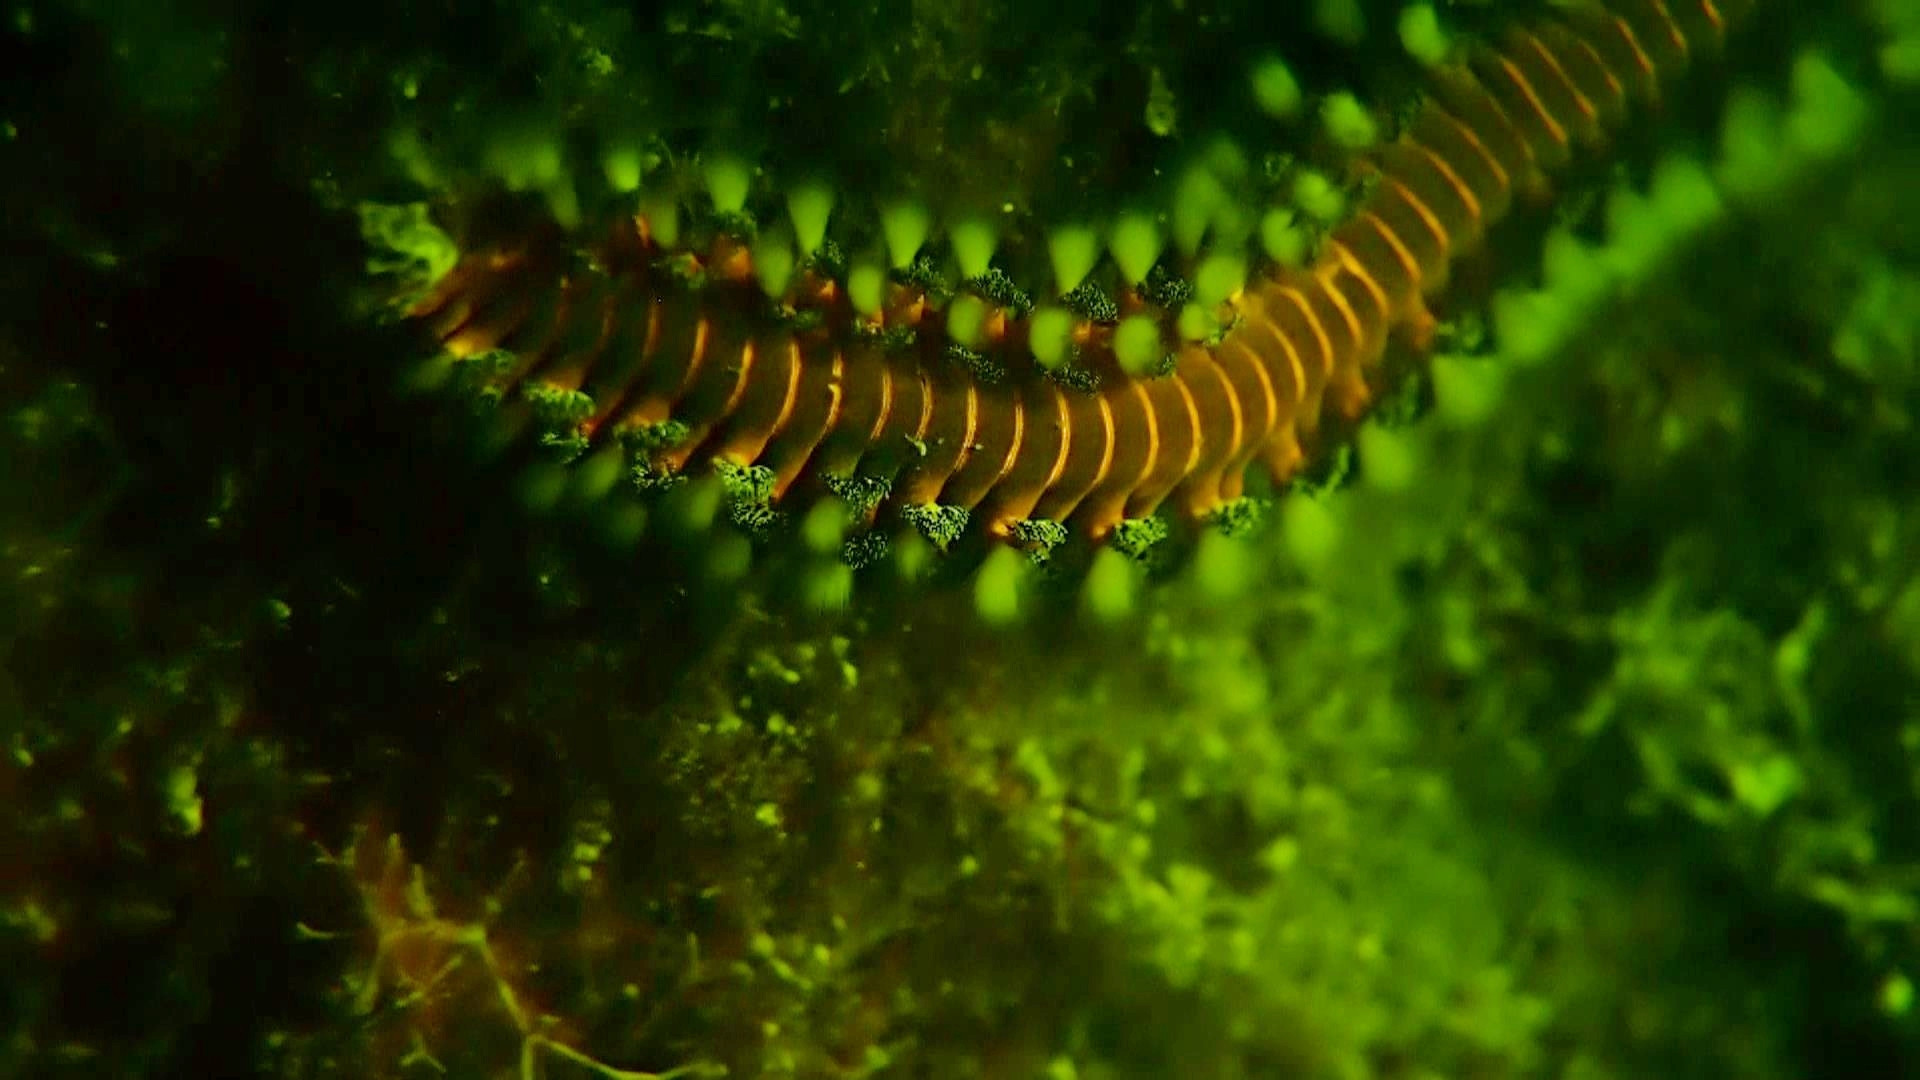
(1137, 345)
(1422, 35)
(1347, 122)
(1196, 323)
(810, 205)
(1311, 532)
(1276, 90)
(905, 225)
(622, 167)
(997, 586)
(1112, 582)
(1218, 278)
(662, 216)
(824, 528)
(1050, 335)
(183, 799)
(967, 320)
(1896, 995)
(1074, 250)
(1223, 566)
(1284, 240)
(773, 263)
(973, 244)
(1135, 243)
(1387, 460)
(867, 287)
(1196, 201)
(1318, 198)
(729, 179)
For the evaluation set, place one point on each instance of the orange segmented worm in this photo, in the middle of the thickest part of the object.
(837, 393)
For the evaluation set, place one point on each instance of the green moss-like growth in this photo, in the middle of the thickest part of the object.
(660, 435)
(1091, 302)
(865, 549)
(1240, 517)
(1038, 537)
(940, 524)
(1137, 537)
(997, 286)
(748, 493)
(558, 409)
(860, 491)
(983, 368)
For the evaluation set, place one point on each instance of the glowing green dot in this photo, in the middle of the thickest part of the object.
(1573, 269)
(973, 243)
(1218, 278)
(1222, 566)
(1318, 197)
(1196, 323)
(824, 528)
(1196, 200)
(967, 320)
(527, 164)
(1135, 243)
(1345, 21)
(541, 487)
(1074, 250)
(1284, 240)
(1137, 345)
(828, 586)
(728, 557)
(622, 168)
(1387, 461)
(773, 263)
(623, 525)
(728, 181)
(997, 586)
(1110, 588)
(596, 476)
(693, 506)
(1900, 59)
(1276, 90)
(905, 225)
(1050, 336)
(1466, 389)
(1347, 122)
(1530, 325)
(810, 205)
(662, 216)
(563, 202)
(1310, 531)
(913, 556)
(1422, 36)
(867, 287)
